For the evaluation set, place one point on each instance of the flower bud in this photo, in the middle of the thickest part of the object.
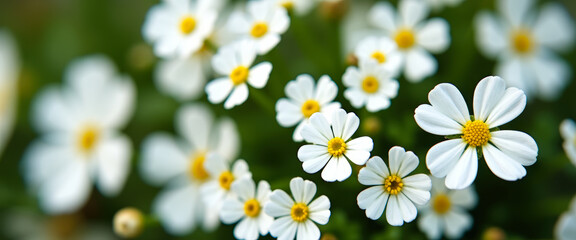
(128, 222)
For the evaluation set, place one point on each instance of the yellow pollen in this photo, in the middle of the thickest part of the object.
(87, 139)
(299, 212)
(259, 29)
(441, 204)
(370, 84)
(379, 56)
(310, 107)
(522, 42)
(336, 147)
(187, 24)
(239, 75)
(197, 170)
(252, 208)
(393, 184)
(476, 133)
(404, 38)
(226, 179)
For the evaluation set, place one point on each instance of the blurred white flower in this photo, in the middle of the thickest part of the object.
(179, 164)
(391, 189)
(568, 132)
(217, 187)
(369, 85)
(439, 4)
(565, 228)
(355, 27)
(80, 142)
(445, 213)
(332, 146)
(9, 72)
(414, 37)
(506, 152)
(235, 61)
(525, 45)
(295, 217)
(262, 23)
(178, 28)
(247, 208)
(382, 50)
(304, 99)
(300, 7)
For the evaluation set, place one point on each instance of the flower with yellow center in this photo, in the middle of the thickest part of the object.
(336, 147)
(252, 208)
(225, 179)
(259, 29)
(476, 136)
(197, 170)
(379, 56)
(522, 42)
(218, 188)
(369, 85)
(404, 38)
(239, 75)
(391, 187)
(299, 212)
(88, 139)
(441, 204)
(187, 24)
(310, 107)
(383, 50)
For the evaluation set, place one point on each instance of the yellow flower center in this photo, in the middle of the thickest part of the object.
(225, 179)
(239, 75)
(379, 56)
(252, 208)
(310, 107)
(404, 38)
(87, 139)
(299, 212)
(197, 170)
(259, 29)
(476, 133)
(522, 42)
(187, 24)
(441, 204)
(336, 147)
(393, 184)
(370, 84)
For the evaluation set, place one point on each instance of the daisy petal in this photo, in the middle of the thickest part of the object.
(279, 205)
(66, 190)
(284, 228)
(320, 210)
(407, 208)
(162, 159)
(431, 225)
(113, 158)
(393, 212)
(517, 145)
(238, 96)
(433, 121)
(446, 99)
(502, 165)
(383, 15)
(302, 190)
(487, 95)
(442, 157)
(464, 171)
(417, 188)
(318, 131)
(259, 74)
(456, 223)
(374, 201)
(218, 89)
(412, 12)
(434, 35)
(554, 28)
(515, 11)
(326, 90)
(246, 229)
(490, 35)
(288, 113)
(307, 230)
(232, 211)
(508, 108)
(175, 208)
(401, 162)
(419, 65)
(194, 122)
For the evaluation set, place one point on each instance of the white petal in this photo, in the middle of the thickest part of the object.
(227, 142)
(67, 189)
(326, 90)
(297, 135)
(259, 74)
(288, 114)
(456, 223)
(183, 79)
(393, 212)
(283, 228)
(564, 229)
(279, 205)
(300, 89)
(465, 170)
(401, 162)
(554, 27)
(434, 35)
(431, 225)
(568, 129)
(302, 190)
(490, 35)
(218, 89)
(465, 198)
(246, 229)
(517, 145)
(487, 95)
(162, 159)
(336, 169)
(551, 73)
(318, 131)
(374, 200)
(374, 173)
(307, 230)
(175, 208)
(412, 12)
(377, 102)
(245, 188)
(419, 65)
(417, 188)
(42, 160)
(232, 211)
(267, 42)
(442, 157)
(53, 110)
(194, 123)
(118, 102)
(113, 160)
(515, 11)
(358, 150)
(356, 97)
(238, 96)
(240, 169)
(513, 72)
(320, 210)
(341, 125)
(383, 15)
(433, 121)
(502, 165)
(313, 157)
(507, 108)
(407, 208)
(446, 99)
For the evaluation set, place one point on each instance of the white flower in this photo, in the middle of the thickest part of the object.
(382, 50)
(392, 189)
(369, 85)
(247, 208)
(235, 61)
(184, 79)
(300, 7)
(304, 99)
(9, 71)
(414, 37)
(179, 164)
(525, 44)
(263, 23)
(505, 152)
(178, 28)
(565, 228)
(217, 188)
(568, 132)
(446, 211)
(332, 147)
(439, 4)
(295, 217)
(81, 142)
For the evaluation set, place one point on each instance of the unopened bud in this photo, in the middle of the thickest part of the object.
(128, 222)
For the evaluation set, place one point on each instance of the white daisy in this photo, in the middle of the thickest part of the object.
(235, 61)
(9, 71)
(184, 79)
(565, 228)
(568, 132)
(445, 213)
(247, 208)
(300, 7)
(414, 37)
(262, 23)
(295, 217)
(369, 85)
(505, 152)
(382, 50)
(332, 147)
(392, 189)
(178, 28)
(525, 45)
(217, 188)
(81, 141)
(304, 99)
(179, 164)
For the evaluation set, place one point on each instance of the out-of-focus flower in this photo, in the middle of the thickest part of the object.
(128, 222)
(568, 132)
(525, 44)
(247, 207)
(217, 188)
(235, 61)
(81, 142)
(566, 226)
(369, 85)
(262, 23)
(506, 152)
(179, 163)
(178, 28)
(392, 189)
(355, 27)
(414, 37)
(300, 7)
(9, 72)
(295, 217)
(304, 99)
(445, 213)
(439, 4)
(331, 145)
(382, 50)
